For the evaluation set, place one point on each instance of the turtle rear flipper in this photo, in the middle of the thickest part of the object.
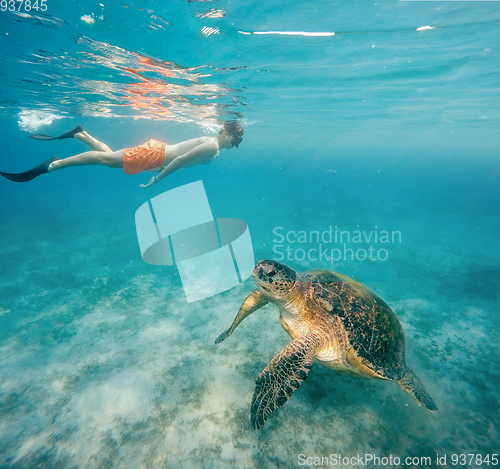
(413, 386)
(284, 374)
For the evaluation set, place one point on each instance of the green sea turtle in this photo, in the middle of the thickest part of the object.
(332, 318)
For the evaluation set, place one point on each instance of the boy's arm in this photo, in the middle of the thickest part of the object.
(209, 148)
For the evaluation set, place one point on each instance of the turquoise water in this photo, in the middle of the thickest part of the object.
(378, 128)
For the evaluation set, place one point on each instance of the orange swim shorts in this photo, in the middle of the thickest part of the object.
(148, 156)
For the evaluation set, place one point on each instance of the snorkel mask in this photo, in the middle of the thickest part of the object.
(236, 140)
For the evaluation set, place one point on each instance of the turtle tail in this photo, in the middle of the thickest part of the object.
(413, 386)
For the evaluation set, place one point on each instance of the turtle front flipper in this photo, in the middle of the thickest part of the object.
(413, 386)
(252, 303)
(284, 374)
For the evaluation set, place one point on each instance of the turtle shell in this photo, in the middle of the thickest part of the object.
(373, 329)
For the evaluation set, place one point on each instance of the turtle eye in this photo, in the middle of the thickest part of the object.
(272, 273)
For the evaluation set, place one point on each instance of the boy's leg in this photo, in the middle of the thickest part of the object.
(113, 159)
(93, 143)
(78, 133)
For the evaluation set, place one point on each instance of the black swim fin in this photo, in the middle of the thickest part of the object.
(32, 173)
(69, 134)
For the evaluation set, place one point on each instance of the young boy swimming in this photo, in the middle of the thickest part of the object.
(151, 156)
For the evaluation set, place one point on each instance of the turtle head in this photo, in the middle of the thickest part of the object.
(274, 278)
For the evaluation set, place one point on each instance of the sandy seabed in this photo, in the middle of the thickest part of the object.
(113, 368)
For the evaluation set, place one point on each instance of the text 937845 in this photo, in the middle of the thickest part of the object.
(23, 5)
